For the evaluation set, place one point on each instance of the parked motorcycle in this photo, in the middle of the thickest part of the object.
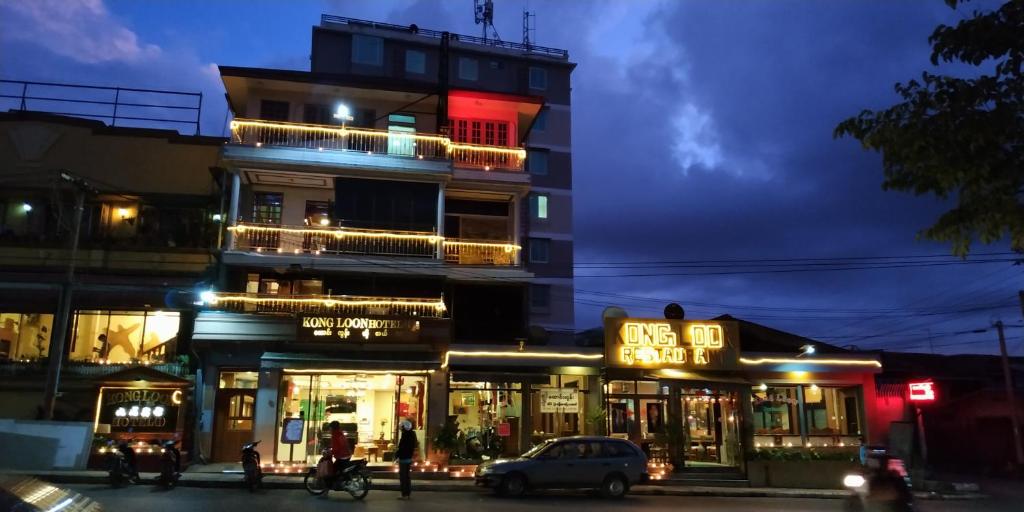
(121, 464)
(882, 485)
(170, 465)
(251, 466)
(354, 478)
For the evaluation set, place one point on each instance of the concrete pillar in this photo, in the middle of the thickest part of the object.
(746, 430)
(437, 407)
(803, 417)
(206, 396)
(265, 416)
(440, 221)
(517, 226)
(232, 220)
(526, 418)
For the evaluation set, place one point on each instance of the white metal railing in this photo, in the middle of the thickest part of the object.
(317, 137)
(308, 240)
(337, 304)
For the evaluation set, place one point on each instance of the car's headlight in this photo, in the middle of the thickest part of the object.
(853, 481)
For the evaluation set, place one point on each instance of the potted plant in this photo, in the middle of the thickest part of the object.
(597, 418)
(445, 442)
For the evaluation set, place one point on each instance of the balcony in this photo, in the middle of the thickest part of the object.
(327, 304)
(325, 241)
(411, 148)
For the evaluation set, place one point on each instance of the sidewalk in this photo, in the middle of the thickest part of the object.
(218, 480)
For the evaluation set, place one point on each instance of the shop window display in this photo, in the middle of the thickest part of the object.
(125, 336)
(832, 414)
(488, 415)
(24, 336)
(368, 407)
(559, 407)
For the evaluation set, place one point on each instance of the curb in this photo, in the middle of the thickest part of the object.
(292, 483)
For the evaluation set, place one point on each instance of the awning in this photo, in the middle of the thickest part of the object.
(351, 362)
(221, 326)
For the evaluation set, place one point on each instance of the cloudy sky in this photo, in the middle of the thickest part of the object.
(702, 136)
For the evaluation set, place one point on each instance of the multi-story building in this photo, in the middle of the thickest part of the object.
(149, 224)
(400, 246)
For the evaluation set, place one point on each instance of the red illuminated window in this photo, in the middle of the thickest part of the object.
(474, 134)
(921, 391)
(491, 133)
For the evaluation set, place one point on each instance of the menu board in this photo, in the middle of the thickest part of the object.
(291, 431)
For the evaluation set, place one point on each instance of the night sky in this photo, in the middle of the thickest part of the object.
(702, 134)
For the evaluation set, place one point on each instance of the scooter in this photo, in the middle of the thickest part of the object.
(251, 466)
(882, 485)
(170, 465)
(121, 464)
(354, 478)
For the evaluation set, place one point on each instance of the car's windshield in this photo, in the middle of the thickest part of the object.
(536, 450)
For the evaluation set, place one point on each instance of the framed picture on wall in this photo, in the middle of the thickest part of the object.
(620, 418)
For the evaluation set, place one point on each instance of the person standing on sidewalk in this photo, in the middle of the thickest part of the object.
(407, 445)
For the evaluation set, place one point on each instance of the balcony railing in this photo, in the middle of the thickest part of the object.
(316, 241)
(375, 142)
(333, 304)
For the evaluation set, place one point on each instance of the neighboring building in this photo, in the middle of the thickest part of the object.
(148, 229)
(400, 225)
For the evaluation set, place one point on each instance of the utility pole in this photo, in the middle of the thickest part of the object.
(1008, 381)
(58, 338)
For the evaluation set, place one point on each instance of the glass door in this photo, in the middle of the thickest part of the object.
(711, 418)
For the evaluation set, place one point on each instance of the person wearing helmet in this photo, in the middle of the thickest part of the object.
(407, 444)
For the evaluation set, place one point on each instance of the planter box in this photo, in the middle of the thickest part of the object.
(802, 474)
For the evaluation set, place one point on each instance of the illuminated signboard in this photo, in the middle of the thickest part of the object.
(139, 409)
(357, 329)
(670, 344)
(921, 391)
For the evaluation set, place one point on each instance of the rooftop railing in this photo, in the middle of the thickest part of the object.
(145, 108)
(334, 304)
(420, 146)
(435, 34)
(317, 241)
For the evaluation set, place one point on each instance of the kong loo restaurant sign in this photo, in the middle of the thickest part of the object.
(649, 343)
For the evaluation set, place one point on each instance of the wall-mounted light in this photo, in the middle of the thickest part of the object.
(207, 297)
(808, 350)
(216, 217)
(25, 207)
(325, 221)
(342, 113)
(123, 212)
(763, 387)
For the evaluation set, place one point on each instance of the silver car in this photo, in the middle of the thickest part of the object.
(582, 462)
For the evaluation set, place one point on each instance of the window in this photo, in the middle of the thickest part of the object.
(541, 123)
(415, 62)
(24, 336)
(540, 297)
(266, 207)
(831, 411)
(775, 411)
(238, 380)
(539, 249)
(489, 132)
(271, 110)
(480, 408)
(367, 50)
(468, 69)
(240, 412)
(124, 336)
(318, 114)
(364, 118)
(537, 161)
(538, 78)
(616, 449)
(539, 206)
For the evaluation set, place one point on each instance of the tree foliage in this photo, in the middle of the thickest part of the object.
(960, 137)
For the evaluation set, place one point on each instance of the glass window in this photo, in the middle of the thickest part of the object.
(318, 114)
(539, 250)
(368, 50)
(271, 110)
(415, 62)
(125, 336)
(538, 78)
(483, 411)
(240, 412)
(775, 411)
(624, 387)
(24, 335)
(539, 206)
(238, 380)
(266, 207)
(468, 69)
(537, 162)
(831, 411)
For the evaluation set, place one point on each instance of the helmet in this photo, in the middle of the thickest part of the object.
(406, 425)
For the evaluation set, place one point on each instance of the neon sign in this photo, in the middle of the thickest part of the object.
(921, 391)
(666, 344)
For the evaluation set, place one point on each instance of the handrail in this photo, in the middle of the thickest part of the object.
(195, 103)
(435, 34)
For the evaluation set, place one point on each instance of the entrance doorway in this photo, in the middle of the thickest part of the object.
(712, 424)
(233, 414)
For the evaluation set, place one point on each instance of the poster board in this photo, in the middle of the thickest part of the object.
(291, 430)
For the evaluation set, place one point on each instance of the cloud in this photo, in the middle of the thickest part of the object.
(83, 30)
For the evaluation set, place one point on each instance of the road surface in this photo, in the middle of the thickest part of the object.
(150, 499)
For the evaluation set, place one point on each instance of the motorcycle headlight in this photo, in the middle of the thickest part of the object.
(853, 481)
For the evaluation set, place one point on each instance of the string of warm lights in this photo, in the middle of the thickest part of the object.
(342, 232)
(344, 131)
(328, 301)
(517, 354)
(827, 362)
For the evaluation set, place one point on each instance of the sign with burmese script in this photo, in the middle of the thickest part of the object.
(139, 409)
(649, 343)
(357, 329)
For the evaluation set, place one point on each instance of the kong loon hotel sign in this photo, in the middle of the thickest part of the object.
(670, 344)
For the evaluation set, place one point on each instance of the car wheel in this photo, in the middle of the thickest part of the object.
(614, 486)
(513, 485)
